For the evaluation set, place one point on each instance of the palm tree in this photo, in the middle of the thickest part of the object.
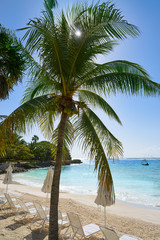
(35, 139)
(12, 62)
(68, 85)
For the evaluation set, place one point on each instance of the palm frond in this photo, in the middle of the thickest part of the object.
(49, 5)
(25, 116)
(108, 18)
(39, 86)
(66, 56)
(88, 136)
(112, 146)
(46, 122)
(122, 76)
(99, 24)
(40, 82)
(68, 138)
(43, 37)
(91, 98)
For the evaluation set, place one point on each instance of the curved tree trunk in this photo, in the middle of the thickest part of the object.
(53, 224)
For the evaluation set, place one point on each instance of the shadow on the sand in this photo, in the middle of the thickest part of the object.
(36, 235)
(6, 215)
(14, 226)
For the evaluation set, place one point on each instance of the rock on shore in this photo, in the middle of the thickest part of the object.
(25, 166)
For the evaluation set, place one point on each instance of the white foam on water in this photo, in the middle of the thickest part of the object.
(133, 183)
(79, 190)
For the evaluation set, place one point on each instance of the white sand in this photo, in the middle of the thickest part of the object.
(122, 217)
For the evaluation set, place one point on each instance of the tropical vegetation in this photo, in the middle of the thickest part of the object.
(12, 62)
(18, 150)
(68, 84)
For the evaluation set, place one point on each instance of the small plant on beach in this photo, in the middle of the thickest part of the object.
(68, 84)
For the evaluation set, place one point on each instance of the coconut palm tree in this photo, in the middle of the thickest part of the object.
(12, 62)
(35, 139)
(68, 84)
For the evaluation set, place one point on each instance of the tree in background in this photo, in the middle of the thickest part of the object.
(20, 150)
(17, 139)
(35, 139)
(42, 151)
(68, 85)
(18, 153)
(12, 66)
(12, 62)
(16, 149)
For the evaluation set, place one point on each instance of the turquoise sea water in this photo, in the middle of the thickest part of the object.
(133, 182)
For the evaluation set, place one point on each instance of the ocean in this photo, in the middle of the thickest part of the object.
(133, 182)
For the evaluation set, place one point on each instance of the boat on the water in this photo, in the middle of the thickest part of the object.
(144, 162)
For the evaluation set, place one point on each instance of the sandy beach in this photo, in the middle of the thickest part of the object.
(124, 218)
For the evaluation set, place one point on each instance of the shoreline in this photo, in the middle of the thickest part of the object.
(120, 208)
(138, 205)
(121, 217)
(143, 195)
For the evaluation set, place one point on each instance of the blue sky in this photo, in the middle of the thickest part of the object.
(140, 116)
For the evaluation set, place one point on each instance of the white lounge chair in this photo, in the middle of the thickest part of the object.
(44, 218)
(40, 218)
(1, 197)
(24, 210)
(62, 218)
(10, 202)
(62, 221)
(78, 230)
(110, 234)
(4, 202)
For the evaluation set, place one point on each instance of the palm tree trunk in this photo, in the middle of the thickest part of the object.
(53, 224)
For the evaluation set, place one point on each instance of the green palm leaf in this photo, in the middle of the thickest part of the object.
(87, 134)
(29, 113)
(94, 99)
(82, 131)
(68, 138)
(124, 77)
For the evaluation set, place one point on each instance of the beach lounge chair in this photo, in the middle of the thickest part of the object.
(44, 218)
(40, 218)
(24, 210)
(78, 230)
(110, 234)
(10, 203)
(62, 218)
(4, 202)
